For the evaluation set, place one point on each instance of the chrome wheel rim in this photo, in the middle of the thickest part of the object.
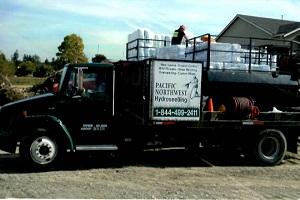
(43, 150)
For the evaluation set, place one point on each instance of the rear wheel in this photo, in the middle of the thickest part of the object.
(40, 150)
(270, 147)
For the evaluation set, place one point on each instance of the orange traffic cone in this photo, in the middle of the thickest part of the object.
(210, 105)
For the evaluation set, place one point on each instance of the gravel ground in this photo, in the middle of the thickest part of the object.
(171, 174)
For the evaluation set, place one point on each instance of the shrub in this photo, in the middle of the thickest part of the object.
(43, 70)
(25, 68)
(7, 93)
(6, 67)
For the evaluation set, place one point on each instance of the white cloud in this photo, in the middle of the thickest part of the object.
(108, 36)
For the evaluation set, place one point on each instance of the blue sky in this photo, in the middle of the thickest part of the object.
(39, 26)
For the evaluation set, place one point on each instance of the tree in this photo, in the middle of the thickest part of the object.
(71, 50)
(2, 56)
(27, 58)
(15, 58)
(47, 61)
(98, 58)
(57, 64)
(34, 59)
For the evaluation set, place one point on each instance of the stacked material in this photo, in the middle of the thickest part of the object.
(219, 52)
(240, 66)
(161, 40)
(135, 44)
(142, 44)
(175, 52)
(231, 56)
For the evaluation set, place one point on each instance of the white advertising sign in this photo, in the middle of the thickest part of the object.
(176, 90)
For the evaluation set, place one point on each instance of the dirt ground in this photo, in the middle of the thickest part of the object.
(170, 174)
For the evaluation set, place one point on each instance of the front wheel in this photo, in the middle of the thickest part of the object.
(41, 151)
(270, 147)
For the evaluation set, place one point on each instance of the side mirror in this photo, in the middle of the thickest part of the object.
(55, 88)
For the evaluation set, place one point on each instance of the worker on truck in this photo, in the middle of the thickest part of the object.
(178, 35)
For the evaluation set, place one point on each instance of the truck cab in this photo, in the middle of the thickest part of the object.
(86, 102)
(77, 117)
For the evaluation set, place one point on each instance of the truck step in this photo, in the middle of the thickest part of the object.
(104, 147)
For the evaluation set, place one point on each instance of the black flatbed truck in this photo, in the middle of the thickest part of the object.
(155, 103)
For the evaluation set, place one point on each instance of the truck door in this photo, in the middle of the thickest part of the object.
(88, 107)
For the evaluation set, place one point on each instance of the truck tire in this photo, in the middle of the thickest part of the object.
(40, 151)
(270, 147)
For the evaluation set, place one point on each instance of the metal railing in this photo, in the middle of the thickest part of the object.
(250, 52)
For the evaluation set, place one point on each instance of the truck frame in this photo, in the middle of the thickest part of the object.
(157, 103)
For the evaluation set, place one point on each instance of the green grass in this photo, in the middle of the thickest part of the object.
(25, 81)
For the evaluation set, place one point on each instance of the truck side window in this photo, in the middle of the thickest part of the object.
(89, 81)
(101, 83)
(95, 82)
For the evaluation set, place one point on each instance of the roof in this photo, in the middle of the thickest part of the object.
(102, 65)
(268, 25)
(286, 28)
